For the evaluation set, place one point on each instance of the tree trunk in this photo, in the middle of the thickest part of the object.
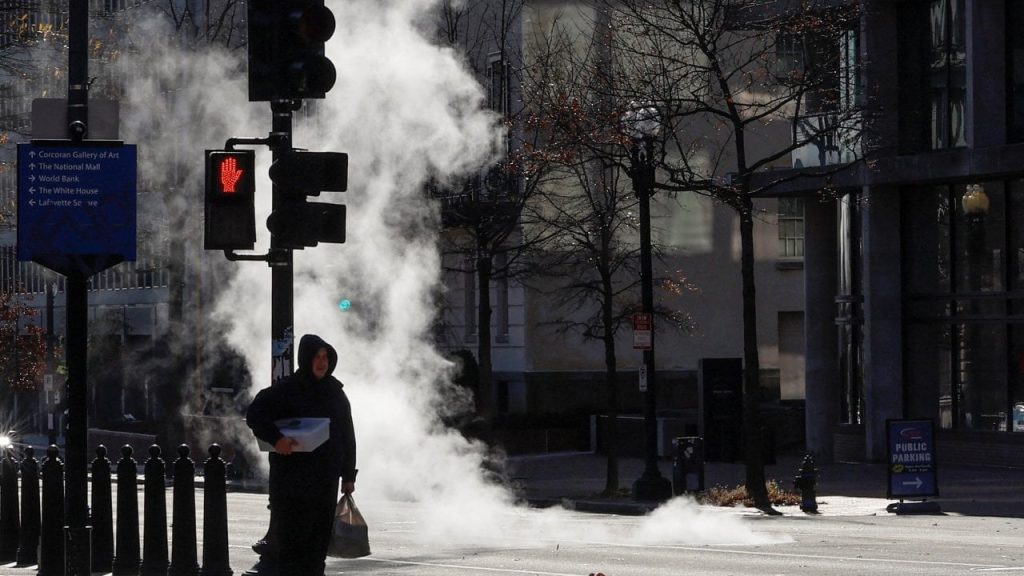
(487, 400)
(611, 485)
(752, 443)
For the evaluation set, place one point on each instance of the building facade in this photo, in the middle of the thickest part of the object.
(539, 369)
(915, 259)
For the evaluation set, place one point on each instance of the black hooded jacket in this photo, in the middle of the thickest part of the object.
(301, 395)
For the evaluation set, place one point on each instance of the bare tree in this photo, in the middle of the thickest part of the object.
(727, 75)
(485, 208)
(582, 222)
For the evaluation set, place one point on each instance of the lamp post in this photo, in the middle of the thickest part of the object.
(50, 391)
(975, 204)
(644, 125)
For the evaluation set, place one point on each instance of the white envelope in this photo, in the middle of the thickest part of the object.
(309, 432)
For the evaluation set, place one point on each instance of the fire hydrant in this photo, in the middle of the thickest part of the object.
(806, 481)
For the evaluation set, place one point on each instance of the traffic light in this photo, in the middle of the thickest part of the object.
(286, 49)
(310, 173)
(300, 224)
(296, 223)
(230, 200)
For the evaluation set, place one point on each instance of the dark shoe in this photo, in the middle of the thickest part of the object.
(262, 568)
(261, 547)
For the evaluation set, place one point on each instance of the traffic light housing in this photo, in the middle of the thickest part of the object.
(310, 173)
(296, 223)
(300, 224)
(286, 49)
(230, 200)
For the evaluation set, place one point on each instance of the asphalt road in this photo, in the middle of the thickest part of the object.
(416, 539)
(734, 544)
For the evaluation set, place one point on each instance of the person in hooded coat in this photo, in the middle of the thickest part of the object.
(304, 485)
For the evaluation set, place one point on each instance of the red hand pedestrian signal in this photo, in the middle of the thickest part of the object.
(229, 174)
(230, 222)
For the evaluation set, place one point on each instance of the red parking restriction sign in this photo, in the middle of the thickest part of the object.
(642, 326)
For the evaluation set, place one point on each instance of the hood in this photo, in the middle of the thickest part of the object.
(309, 345)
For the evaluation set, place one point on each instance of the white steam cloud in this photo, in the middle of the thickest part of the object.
(404, 110)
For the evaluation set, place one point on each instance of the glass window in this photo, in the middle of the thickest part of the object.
(1015, 68)
(849, 315)
(1015, 248)
(469, 300)
(933, 75)
(791, 228)
(980, 237)
(964, 345)
(498, 93)
(947, 74)
(928, 272)
(501, 297)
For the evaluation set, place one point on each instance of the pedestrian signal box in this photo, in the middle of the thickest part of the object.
(230, 200)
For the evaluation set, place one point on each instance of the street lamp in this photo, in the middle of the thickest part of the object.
(975, 204)
(643, 124)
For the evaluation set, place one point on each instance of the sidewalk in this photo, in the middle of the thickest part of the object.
(575, 479)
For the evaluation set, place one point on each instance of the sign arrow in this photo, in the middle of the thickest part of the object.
(32, 166)
(31, 178)
(32, 190)
(916, 483)
(32, 153)
(31, 202)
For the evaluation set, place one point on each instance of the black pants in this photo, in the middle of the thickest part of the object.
(303, 500)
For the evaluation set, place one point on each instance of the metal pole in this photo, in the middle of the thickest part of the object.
(282, 332)
(77, 531)
(78, 68)
(281, 289)
(651, 485)
(51, 394)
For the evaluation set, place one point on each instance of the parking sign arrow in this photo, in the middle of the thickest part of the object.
(916, 483)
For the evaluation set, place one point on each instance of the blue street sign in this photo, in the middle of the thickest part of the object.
(911, 459)
(76, 201)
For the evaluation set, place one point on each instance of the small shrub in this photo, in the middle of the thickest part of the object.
(723, 496)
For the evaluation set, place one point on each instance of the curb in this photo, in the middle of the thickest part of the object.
(625, 508)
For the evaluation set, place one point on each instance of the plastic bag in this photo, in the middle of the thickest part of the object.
(350, 537)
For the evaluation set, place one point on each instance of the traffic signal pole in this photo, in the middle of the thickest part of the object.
(282, 319)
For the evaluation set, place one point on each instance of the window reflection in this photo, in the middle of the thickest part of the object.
(965, 328)
(849, 304)
(947, 78)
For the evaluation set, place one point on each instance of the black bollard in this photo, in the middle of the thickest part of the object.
(126, 561)
(102, 513)
(28, 543)
(215, 516)
(184, 558)
(154, 517)
(9, 516)
(51, 532)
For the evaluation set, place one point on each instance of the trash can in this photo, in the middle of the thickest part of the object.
(688, 465)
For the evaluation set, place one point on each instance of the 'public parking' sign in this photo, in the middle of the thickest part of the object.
(911, 459)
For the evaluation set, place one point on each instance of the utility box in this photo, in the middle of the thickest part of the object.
(1018, 417)
(688, 465)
